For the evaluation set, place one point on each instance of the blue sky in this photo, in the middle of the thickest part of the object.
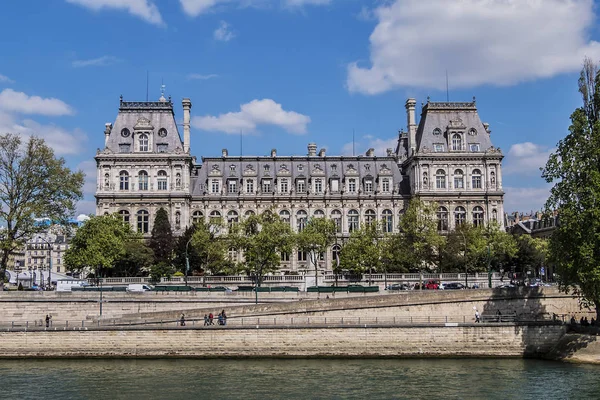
(290, 72)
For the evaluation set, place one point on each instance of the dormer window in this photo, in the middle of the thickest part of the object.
(143, 142)
(437, 131)
(162, 132)
(438, 147)
(456, 142)
(474, 146)
(125, 132)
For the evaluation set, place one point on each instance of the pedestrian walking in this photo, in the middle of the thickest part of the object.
(182, 320)
(48, 318)
(205, 320)
(477, 317)
(210, 319)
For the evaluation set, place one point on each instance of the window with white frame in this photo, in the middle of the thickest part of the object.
(143, 221)
(476, 179)
(442, 219)
(125, 215)
(385, 185)
(352, 220)
(459, 182)
(388, 221)
(352, 185)
(318, 185)
(197, 217)
(232, 186)
(232, 217)
(285, 216)
(301, 186)
(474, 146)
(143, 142)
(438, 147)
(249, 186)
(456, 142)
(319, 214)
(301, 218)
(266, 186)
(460, 215)
(440, 179)
(336, 216)
(143, 180)
(123, 180)
(370, 216)
(283, 185)
(478, 216)
(162, 180)
(215, 186)
(302, 256)
(368, 185)
(335, 185)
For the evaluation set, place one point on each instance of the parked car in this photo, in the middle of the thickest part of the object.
(398, 286)
(432, 284)
(454, 286)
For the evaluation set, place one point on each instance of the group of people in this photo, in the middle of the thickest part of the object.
(584, 321)
(221, 319)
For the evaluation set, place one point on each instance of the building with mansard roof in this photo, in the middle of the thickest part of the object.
(446, 157)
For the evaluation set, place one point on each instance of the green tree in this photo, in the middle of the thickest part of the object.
(99, 243)
(262, 239)
(162, 241)
(362, 253)
(136, 259)
(315, 239)
(531, 253)
(33, 184)
(418, 243)
(210, 244)
(182, 244)
(574, 169)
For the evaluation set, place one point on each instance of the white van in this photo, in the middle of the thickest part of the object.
(65, 285)
(139, 287)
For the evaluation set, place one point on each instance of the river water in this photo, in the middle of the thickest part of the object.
(297, 379)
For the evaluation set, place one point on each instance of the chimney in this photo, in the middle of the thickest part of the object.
(322, 153)
(273, 153)
(312, 149)
(224, 153)
(107, 130)
(389, 152)
(187, 106)
(412, 125)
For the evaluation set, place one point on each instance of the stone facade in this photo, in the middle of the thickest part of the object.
(447, 158)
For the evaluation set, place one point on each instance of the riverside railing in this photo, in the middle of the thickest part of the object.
(266, 322)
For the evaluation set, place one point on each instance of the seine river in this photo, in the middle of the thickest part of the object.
(297, 379)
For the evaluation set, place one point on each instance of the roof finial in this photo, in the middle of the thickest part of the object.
(162, 92)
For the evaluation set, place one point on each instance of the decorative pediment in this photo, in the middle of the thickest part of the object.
(283, 170)
(317, 170)
(249, 170)
(215, 170)
(456, 123)
(384, 170)
(350, 170)
(143, 124)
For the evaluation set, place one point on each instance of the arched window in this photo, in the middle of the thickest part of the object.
(125, 215)
(143, 142)
(214, 217)
(162, 180)
(442, 218)
(197, 217)
(476, 179)
(143, 221)
(285, 216)
(352, 220)
(388, 221)
(456, 142)
(478, 216)
(301, 218)
(232, 217)
(232, 254)
(249, 213)
(370, 216)
(336, 216)
(440, 179)
(143, 180)
(123, 180)
(319, 214)
(459, 181)
(335, 256)
(460, 215)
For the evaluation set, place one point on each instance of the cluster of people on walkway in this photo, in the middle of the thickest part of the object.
(221, 319)
(584, 321)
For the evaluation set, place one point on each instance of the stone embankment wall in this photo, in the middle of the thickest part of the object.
(471, 340)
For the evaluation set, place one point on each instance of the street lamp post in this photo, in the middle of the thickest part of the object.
(50, 248)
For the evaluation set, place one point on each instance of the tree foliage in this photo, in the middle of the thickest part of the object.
(418, 243)
(362, 252)
(99, 243)
(33, 184)
(574, 169)
(162, 241)
(316, 238)
(135, 261)
(262, 238)
(210, 246)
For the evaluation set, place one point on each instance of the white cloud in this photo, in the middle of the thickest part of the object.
(19, 102)
(223, 33)
(526, 159)
(525, 199)
(5, 79)
(193, 8)
(257, 112)
(370, 142)
(96, 62)
(85, 207)
(498, 42)
(200, 77)
(144, 9)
